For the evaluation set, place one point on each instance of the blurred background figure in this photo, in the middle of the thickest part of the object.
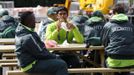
(130, 14)
(79, 21)
(51, 17)
(3, 12)
(7, 27)
(95, 24)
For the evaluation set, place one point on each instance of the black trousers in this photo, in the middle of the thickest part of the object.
(71, 59)
(50, 67)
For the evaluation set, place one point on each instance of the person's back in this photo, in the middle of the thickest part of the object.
(79, 21)
(31, 52)
(118, 40)
(8, 26)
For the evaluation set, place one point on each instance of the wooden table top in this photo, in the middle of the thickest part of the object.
(70, 47)
(75, 47)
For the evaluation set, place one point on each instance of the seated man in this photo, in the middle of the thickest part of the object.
(118, 40)
(62, 30)
(31, 52)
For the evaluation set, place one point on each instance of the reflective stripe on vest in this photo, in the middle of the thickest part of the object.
(28, 67)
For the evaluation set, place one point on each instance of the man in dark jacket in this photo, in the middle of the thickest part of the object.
(118, 39)
(31, 52)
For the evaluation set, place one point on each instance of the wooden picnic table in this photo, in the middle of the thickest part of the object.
(7, 41)
(70, 47)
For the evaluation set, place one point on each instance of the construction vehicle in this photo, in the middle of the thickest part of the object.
(92, 5)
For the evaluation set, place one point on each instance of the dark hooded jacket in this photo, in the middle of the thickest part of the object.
(118, 38)
(29, 47)
(7, 27)
(96, 25)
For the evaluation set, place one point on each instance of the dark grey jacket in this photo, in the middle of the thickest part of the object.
(118, 38)
(95, 25)
(7, 27)
(29, 47)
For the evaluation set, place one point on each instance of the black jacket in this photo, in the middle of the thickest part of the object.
(29, 47)
(118, 38)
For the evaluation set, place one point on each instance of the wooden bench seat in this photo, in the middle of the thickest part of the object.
(8, 65)
(79, 70)
(8, 61)
(9, 55)
(73, 70)
(7, 41)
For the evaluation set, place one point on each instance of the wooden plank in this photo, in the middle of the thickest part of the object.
(89, 70)
(8, 61)
(71, 47)
(9, 64)
(7, 48)
(8, 41)
(79, 70)
(8, 55)
(75, 47)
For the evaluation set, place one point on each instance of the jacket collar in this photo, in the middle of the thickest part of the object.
(28, 28)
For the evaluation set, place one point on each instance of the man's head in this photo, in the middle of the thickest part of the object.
(97, 13)
(62, 12)
(8, 19)
(52, 13)
(3, 12)
(27, 18)
(79, 20)
(118, 8)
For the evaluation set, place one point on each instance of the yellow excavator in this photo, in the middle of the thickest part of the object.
(92, 5)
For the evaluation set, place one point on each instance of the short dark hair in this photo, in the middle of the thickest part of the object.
(24, 15)
(60, 8)
(118, 8)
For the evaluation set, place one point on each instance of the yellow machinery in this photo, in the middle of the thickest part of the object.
(103, 5)
(93, 5)
(87, 5)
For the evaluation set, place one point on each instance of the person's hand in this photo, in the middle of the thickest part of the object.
(70, 26)
(58, 25)
(50, 43)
